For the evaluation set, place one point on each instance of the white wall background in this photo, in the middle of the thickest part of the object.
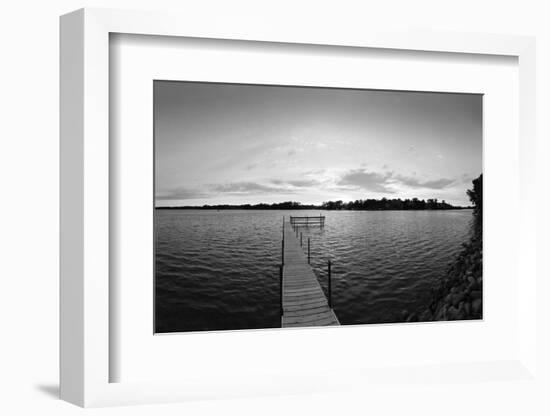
(29, 206)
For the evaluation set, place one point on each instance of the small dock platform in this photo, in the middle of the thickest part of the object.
(303, 300)
(306, 221)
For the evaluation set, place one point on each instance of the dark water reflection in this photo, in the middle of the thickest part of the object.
(218, 270)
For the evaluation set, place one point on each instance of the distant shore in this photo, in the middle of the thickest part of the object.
(383, 204)
(308, 208)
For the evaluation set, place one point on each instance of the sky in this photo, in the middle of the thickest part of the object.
(239, 144)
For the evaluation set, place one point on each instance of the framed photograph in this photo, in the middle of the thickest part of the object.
(243, 199)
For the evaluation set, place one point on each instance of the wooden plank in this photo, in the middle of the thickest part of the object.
(308, 298)
(297, 304)
(304, 291)
(300, 283)
(318, 294)
(302, 311)
(303, 300)
(300, 305)
(300, 279)
(319, 322)
(302, 288)
(307, 315)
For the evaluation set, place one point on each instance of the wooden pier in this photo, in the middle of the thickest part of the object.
(302, 298)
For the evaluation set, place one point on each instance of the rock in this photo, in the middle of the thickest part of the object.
(476, 306)
(471, 287)
(458, 295)
(475, 294)
(452, 313)
(413, 317)
(441, 313)
(467, 308)
(425, 316)
(456, 298)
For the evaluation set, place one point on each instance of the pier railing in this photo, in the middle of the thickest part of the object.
(306, 221)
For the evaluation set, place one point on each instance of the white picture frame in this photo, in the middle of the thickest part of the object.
(85, 355)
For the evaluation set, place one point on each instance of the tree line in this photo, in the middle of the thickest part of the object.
(388, 204)
(358, 205)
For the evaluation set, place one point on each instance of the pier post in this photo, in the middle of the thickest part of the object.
(300, 239)
(281, 289)
(308, 252)
(329, 285)
(283, 251)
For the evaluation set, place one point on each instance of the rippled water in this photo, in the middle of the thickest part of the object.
(219, 269)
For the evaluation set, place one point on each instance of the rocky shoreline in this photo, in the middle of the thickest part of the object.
(459, 295)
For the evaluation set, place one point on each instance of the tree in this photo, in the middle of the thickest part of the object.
(476, 194)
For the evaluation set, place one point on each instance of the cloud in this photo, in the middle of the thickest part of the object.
(275, 186)
(180, 193)
(315, 172)
(298, 183)
(242, 187)
(251, 166)
(248, 188)
(384, 182)
(413, 182)
(369, 181)
(246, 152)
(234, 188)
(303, 183)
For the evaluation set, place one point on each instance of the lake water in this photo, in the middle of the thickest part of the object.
(219, 269)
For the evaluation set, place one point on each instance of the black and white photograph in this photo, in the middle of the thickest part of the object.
(291, 206)
(275, 208)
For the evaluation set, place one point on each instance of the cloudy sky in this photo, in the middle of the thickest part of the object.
(237, 144)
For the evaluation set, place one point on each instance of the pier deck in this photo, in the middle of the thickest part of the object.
(304, 303)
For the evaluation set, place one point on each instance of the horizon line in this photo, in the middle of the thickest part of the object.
(300, 205)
